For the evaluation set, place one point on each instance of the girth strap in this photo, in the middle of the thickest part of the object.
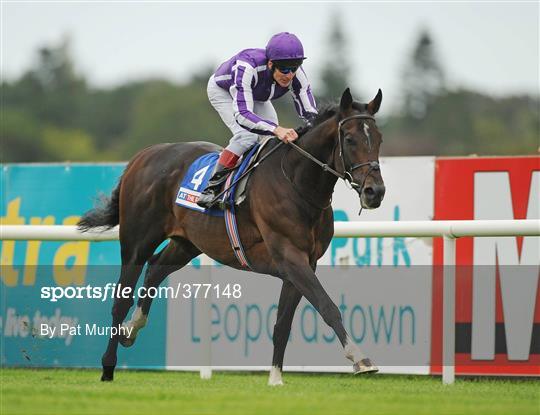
(232, 230)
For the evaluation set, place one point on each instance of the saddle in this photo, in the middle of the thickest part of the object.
(198, 175)
(241, 187)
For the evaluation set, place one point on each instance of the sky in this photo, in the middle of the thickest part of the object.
(491, 47)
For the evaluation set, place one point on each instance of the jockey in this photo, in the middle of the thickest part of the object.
(241, 91)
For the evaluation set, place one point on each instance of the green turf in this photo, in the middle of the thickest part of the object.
(52, 391)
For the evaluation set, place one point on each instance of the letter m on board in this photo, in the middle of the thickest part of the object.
(518, 271)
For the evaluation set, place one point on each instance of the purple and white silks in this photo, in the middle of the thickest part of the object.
(248, 79)
(222, 102)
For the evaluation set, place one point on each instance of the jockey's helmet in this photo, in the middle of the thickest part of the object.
(285, 46)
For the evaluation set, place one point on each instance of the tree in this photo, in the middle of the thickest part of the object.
(464, 122)
(55, 69)
(166, 112)
(52, 89)
(335, 70)
(20, 136)
(423, 78)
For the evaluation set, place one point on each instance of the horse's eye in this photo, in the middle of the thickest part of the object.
(349, 139)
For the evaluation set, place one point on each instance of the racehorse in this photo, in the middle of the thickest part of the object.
(285, 224)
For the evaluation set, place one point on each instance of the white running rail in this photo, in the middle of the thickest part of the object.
(449, 230)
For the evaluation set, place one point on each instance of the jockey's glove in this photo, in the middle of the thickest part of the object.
(309, 118)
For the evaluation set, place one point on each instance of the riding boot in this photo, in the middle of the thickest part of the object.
(219, 175)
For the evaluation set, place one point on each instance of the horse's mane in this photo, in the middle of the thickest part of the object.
(325, 113)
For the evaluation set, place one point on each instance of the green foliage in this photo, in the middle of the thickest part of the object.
(165, 112)
(20, 133)
(68, 144)
(51, 114)
(52, 90)
(107, 115)
(464, 122)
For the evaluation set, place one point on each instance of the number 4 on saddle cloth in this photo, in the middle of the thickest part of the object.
(198, 175)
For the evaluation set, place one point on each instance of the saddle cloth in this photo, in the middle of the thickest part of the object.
(199, 173)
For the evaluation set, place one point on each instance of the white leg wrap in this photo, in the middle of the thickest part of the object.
(275, 377)
(352, 351)
(137, 322)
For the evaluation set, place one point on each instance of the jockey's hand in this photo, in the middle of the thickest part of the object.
(285, 134)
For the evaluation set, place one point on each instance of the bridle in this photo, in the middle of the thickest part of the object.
(347, 171)
(373, 164)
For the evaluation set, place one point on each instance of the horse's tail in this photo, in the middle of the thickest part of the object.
(105, 215)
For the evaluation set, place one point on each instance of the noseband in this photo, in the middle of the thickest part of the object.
(347, 171)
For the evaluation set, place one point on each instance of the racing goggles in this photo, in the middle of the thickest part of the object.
(285, 70)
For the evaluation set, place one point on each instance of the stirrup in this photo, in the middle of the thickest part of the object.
(219, 176)
(206, 200)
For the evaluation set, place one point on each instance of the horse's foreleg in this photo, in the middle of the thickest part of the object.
(288, 301)
(296, 267)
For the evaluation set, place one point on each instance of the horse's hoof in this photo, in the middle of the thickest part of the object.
(364, 366)
(126, 341)
(108, 374)
(275, 377)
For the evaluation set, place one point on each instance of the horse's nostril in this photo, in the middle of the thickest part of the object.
(369, 192)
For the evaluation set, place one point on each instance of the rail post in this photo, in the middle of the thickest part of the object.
(205, 322)
(449, 310)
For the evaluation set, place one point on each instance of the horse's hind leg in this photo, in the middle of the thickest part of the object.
(136, 249)
(174, 256)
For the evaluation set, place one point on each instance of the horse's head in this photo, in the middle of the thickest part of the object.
(359, 143)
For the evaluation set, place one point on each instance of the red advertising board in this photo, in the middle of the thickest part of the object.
(490, 344)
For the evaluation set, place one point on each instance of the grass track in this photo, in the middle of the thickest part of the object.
(51, 391)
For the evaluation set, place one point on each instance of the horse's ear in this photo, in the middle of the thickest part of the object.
(374, 105)
(346, 101)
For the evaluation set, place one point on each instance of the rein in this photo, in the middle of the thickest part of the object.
(313, 204)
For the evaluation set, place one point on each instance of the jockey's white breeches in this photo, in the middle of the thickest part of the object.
(222, 102)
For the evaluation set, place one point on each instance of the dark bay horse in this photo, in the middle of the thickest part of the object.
(285, 225)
